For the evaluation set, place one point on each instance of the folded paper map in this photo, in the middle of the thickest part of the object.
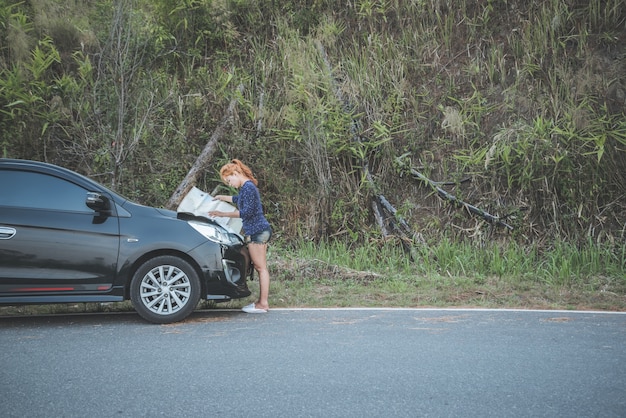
(200, 203)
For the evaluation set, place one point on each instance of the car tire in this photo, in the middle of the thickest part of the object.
(165, 289)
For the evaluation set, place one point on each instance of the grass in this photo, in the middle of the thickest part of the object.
(448, 275)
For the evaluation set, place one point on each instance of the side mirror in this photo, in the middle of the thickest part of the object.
(99, 203)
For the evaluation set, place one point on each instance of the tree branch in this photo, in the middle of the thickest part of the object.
(203, 159)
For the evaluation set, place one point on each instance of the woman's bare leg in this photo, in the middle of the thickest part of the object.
(258, 253)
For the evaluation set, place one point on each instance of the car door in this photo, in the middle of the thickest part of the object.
(51, 243)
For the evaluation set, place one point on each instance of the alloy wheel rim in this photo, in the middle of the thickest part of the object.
(165, 290)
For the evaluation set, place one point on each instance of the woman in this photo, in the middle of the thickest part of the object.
(255, 226)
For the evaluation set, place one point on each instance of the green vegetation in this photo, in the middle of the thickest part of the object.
(526, 98)
(450, 274)
(447, 275)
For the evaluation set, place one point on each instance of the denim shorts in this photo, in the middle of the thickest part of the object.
(262, 237)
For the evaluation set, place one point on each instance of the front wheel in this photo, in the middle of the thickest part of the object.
(165, 289)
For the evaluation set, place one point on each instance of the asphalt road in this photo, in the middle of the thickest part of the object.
(317, 363)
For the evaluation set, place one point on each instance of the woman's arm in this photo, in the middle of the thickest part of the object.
(224, 198)
(220, 214)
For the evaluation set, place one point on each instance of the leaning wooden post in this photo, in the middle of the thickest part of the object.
(203, 159)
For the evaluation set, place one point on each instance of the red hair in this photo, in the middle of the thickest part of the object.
(236, 166)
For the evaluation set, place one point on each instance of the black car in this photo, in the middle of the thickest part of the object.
(64, 238)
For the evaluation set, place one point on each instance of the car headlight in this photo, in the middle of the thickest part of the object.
(214, 233)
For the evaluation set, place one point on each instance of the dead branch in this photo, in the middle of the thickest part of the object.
(492, 219)
(380, 219)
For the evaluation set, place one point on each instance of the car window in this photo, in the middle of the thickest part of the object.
(37, 190)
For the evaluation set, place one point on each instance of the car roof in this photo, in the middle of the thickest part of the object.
(53, 169)
(41, 167)
(13, 162)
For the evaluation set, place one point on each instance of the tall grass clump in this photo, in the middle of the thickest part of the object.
(375, 257)
(557, 265)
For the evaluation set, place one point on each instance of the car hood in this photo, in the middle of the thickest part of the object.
(166, 212)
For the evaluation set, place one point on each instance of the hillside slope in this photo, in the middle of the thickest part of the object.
(527, 99)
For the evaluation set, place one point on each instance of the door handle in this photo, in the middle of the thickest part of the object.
(7, 233)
